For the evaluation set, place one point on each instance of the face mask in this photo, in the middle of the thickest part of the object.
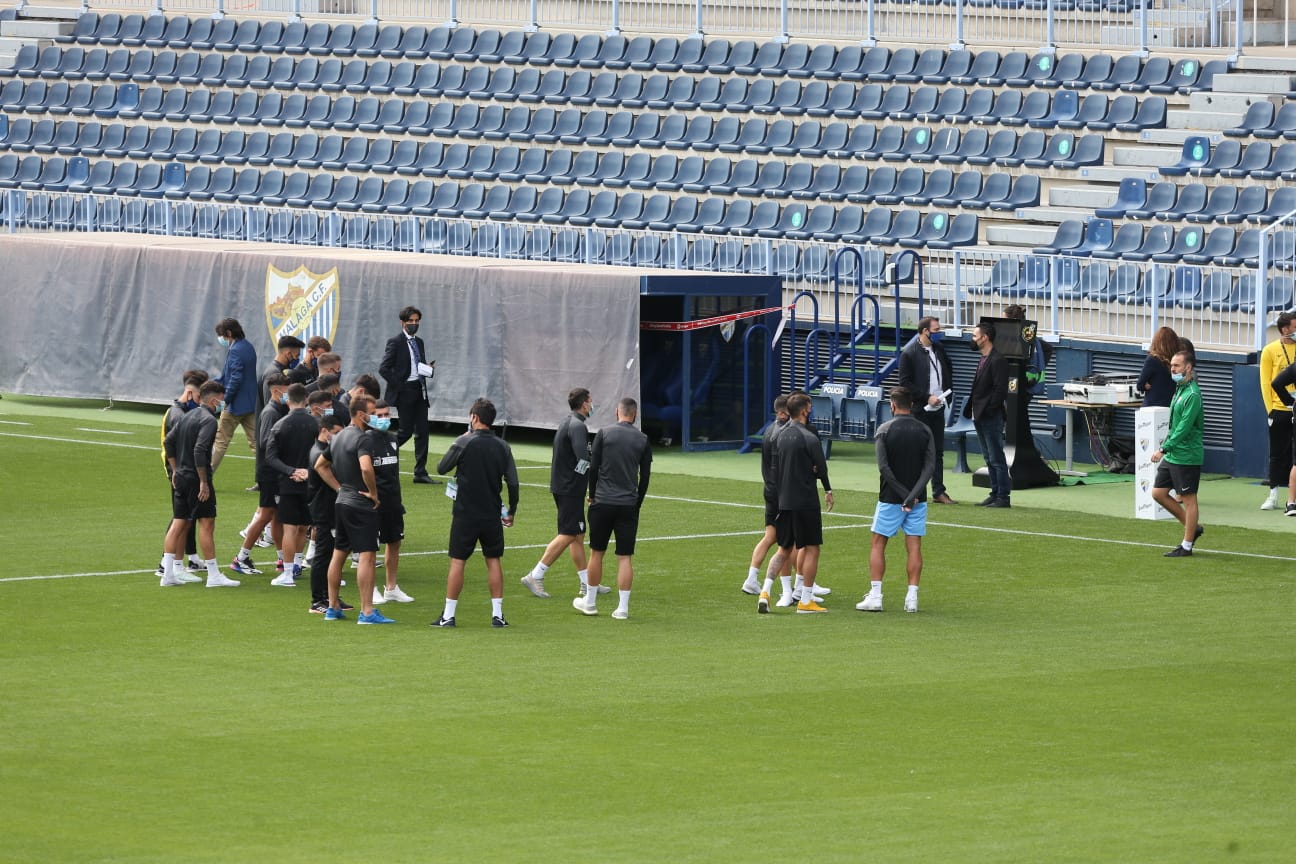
(328, 412)
(936, 336)
(219, 408)
(190, 404)
(284, 398)
(1176, 377)
(293, 363)
(224, 343)
(382, 424)
(411, 329)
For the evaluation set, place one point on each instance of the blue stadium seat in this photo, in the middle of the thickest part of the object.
(1196, 156)
(1182, 77)
(1191, 202)
(1259, 115)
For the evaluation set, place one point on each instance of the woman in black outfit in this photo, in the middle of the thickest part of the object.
(1155, 383)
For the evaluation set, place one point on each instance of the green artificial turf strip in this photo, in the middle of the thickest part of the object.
(1057, 699)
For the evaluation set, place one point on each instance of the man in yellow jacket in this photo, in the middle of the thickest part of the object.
(1274, 358)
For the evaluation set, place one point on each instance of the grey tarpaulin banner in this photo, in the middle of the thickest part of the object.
(122, 316)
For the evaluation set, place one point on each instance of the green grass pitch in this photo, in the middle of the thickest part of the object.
(1065, 695)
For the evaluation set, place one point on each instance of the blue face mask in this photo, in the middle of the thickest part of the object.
(284, 398)
(189, 405)
(328, 412)
(224, 343)
(220, 407)
(936, 336)
(382, 424)
(293, 363)
(1176, 377)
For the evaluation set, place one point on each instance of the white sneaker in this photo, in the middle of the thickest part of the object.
(310, 550)
(821, 590)
(786, 600)
(620, 614)
(397, 595)
(602, 589)
(378, 597)
(751, 586)
(911, 604)
(263, 541)
(220, 580)
(164, 582)
(871, 603)
(355, 562)
(579, 605)
(1271, 502)
(536, 586)
(284, 581)
(188, 578)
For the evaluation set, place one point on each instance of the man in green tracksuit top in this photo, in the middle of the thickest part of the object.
(1180, 455)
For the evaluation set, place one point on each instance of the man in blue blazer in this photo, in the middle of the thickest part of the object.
(240, 379)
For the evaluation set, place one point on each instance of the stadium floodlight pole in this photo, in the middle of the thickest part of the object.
(615, 29)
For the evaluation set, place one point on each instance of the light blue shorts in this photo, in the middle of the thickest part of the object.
(888, 519)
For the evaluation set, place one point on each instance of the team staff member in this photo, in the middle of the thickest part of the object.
(323, 502)
(801, 465)
(239, 379)
(189, 453)
(926, 372)
(287, 358)
(769, 476)
(386, 460)
(1274, 358)
(184, 403)
(481, 461)
(407, 387)
(348, 468)
(328, 364)
(308, 370)
(1181, 454)
(620, 466)
(568, 484)
(906, 458)
(267, 483)
(985, 407)
(288, 455)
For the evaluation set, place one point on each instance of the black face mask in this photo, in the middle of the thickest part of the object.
(411, 329)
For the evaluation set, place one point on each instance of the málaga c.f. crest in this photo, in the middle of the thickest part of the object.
(301, 303)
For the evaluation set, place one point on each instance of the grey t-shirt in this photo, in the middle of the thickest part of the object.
(347, 447)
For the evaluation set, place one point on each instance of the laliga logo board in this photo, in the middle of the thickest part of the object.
(301, 303)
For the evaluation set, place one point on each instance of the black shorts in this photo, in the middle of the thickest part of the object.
(465, 533)
(571, 514)
(799, 528)
(1184, 479)
(268, 493)
(293, 509)
(356, 529)
(609, 519)
(184, 499)
(771, 510)
(391, 528)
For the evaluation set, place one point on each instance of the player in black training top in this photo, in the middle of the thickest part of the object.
(386, 459)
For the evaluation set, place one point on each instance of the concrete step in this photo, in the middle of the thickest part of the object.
(1054, 215)
(1203, 121)
(1144, 157)
(1169, 137)
(1117, 174)
(1019, 235)
(1239, 102)
(1085, 197)
(65, 13)
(1275, 83)
(1266, 63)
(27, 29)
(1131, 37)
(1267, 33)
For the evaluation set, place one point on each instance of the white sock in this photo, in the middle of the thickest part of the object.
(168, 567)
(497, 607)
(450, 607)
(912, 593)
(768, 586)
(244, 554)
(1186, 544)
(584, 576)
(591, 596)
(799, 584)
(299, 560)
(279, 555)
(753, 573)
(624, 603)
(538, 571)
(875, 587)
(787, 584)
(212, 570)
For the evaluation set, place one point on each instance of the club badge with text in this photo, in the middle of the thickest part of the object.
(301, 303)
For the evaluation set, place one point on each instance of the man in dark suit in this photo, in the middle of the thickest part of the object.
(986, 408)
(925, 371)
(405, 368)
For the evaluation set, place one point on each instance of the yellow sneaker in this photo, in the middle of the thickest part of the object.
(804, 608)
(762, 605)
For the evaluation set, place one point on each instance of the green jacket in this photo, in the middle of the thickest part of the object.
(1183, 446)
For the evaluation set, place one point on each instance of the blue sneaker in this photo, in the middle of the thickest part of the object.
(374, 617)
(334, 615)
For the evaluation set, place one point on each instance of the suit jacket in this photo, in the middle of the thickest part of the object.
(240, 378)
(915, 371)
(989, 388)
(395, 366)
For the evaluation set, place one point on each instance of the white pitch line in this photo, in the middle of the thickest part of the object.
(104, 431)
(155, 448)
(14, 423)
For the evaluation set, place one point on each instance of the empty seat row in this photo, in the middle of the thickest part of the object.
(1263, 120)
(666, 54)
(1040, 277)
(1223, 245)
(1259, 160)
(1195, 202)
